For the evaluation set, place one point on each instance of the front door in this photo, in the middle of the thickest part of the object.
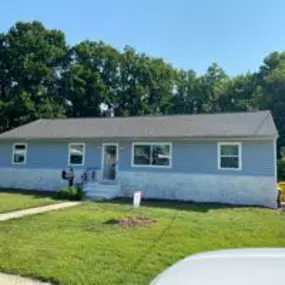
(110, 161)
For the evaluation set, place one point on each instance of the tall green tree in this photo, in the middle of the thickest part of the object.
(40, 76)
(133, 92)
(91, 79)
(31, 60)
(214, 87)
(270, 90)
(186, 99)
(146, 84)
(239, 95)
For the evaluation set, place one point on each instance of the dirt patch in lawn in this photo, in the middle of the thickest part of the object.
(131, 222)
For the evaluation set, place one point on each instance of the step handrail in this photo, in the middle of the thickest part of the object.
(90, 175)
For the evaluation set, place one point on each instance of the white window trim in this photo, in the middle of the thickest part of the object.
(151, 166)
(102, 154)
(220, 144)
(68, 158)
(13, 153)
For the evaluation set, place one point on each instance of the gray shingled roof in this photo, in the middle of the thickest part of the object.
(251, 124)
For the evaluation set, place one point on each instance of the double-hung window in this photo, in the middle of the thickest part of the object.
(76, 153)
(19, 153)
(229, 156)
(152, 154)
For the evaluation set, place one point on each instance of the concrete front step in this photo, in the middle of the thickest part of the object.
(101, 195)
(96, 196)
(98, 191)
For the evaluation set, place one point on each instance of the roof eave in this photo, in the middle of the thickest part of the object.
(236, 137)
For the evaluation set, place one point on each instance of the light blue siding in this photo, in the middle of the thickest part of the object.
(194, 172)
(202, 158)
(47, 155)
(193, 157)
(6, 154)
(51, 155)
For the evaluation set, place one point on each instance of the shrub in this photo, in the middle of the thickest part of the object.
(62, 193)
(281, 170)
(80, 194)
(70, 193)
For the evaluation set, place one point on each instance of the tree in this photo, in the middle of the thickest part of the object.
(185, 99)
(84, 91)
(146, 84)
(270, 91)
(214, 86)
(133, 91)
(41, 77)
(91, 78)
(239, 94)
(31, 61)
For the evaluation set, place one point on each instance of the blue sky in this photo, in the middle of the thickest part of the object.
(237, 34)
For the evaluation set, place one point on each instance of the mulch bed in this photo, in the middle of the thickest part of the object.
(131, 222)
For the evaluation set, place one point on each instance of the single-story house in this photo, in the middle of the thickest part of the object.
(227, 158)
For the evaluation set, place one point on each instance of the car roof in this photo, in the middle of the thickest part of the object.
(235, 267)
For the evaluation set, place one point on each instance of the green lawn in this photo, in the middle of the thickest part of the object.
(77, 246)
(10, 201)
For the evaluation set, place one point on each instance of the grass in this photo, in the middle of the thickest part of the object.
(79, 246)
(11, 200)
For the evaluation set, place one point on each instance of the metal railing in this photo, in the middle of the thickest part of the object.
(93, 174)
(90, 175)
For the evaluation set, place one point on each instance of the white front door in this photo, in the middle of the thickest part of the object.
(109, 160)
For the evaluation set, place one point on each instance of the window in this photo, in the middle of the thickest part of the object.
(229, 156)
(76, 153)
(19, 153)
(152, 154)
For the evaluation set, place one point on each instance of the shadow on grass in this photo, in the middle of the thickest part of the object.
(179, 205)
(34, 193)
(152, 203)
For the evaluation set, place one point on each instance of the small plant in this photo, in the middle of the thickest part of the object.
(70, 193)
(80, 194)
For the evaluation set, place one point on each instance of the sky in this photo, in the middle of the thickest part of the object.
(189, 34)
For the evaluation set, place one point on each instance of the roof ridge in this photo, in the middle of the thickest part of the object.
(157, 116)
